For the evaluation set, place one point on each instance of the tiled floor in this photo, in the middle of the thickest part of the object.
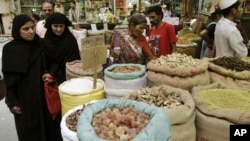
(7, 125)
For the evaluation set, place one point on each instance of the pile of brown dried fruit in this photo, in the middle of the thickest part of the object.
(232, 63)
(71, 120)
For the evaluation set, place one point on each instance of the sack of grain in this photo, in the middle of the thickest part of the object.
(218, 107)
(172, 101)
(187, 49)
(209, 128)
(94, 33)
(125, 71)
(78, 91)
(154, 131)
(177, 64)
(228, 81)
(121, 79)
(79, 35)
(186, 83)
(74, 69)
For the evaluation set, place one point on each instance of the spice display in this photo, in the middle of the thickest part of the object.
(119, 123)
(183, 41)
(226, 98)
(232, 63)
(175, 60)
(125, 69)
(71, 120)
(159, 98)
(191, 36)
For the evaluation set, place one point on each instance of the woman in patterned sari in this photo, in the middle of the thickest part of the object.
(131, 43)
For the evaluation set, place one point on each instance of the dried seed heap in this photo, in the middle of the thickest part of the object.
(232, 63)
(226, 98)
(71, 120)
(191, 36)
(157, 98)
(125, 69)
(176, 60)
(183, 41)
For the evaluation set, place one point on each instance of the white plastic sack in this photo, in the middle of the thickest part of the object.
(117, 88)
(67, 134)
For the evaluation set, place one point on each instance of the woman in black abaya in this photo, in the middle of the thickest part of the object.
(60, 46)
(22, 66)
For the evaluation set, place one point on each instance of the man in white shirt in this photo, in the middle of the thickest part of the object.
(228, 39)
(59, 7)
(74, 12)
(47, 10)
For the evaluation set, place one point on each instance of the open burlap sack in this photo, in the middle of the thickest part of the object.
(182, 71)
(229, 81)
(185, 131)
(232, 115)
(209, 128)
(186, 83)
(185, 122)
(243, 75)
(74, 69)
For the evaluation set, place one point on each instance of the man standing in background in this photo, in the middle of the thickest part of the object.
(162, 37)
(228, 39)
(59, 7)
(47, 10)
(74, 12)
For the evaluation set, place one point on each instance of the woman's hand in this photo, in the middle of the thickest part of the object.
(16, 110)
(114, 55)
(48, 78)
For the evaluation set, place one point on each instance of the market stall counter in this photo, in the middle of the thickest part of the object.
(99, 25)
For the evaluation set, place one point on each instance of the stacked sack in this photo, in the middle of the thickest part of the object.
(186, 46)
(74, 69)
(79, 35)
(78, 91)
(173, 101)
(178, 70)
(121, 79)
(230, 71)
(119, 119)
(218, 107)
(189, 43)
(95, 32)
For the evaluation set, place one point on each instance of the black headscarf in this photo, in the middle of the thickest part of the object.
(59, 49)
(18, 22)
(16, 54)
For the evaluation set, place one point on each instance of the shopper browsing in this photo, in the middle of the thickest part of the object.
(22, 66)
(60, 46)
